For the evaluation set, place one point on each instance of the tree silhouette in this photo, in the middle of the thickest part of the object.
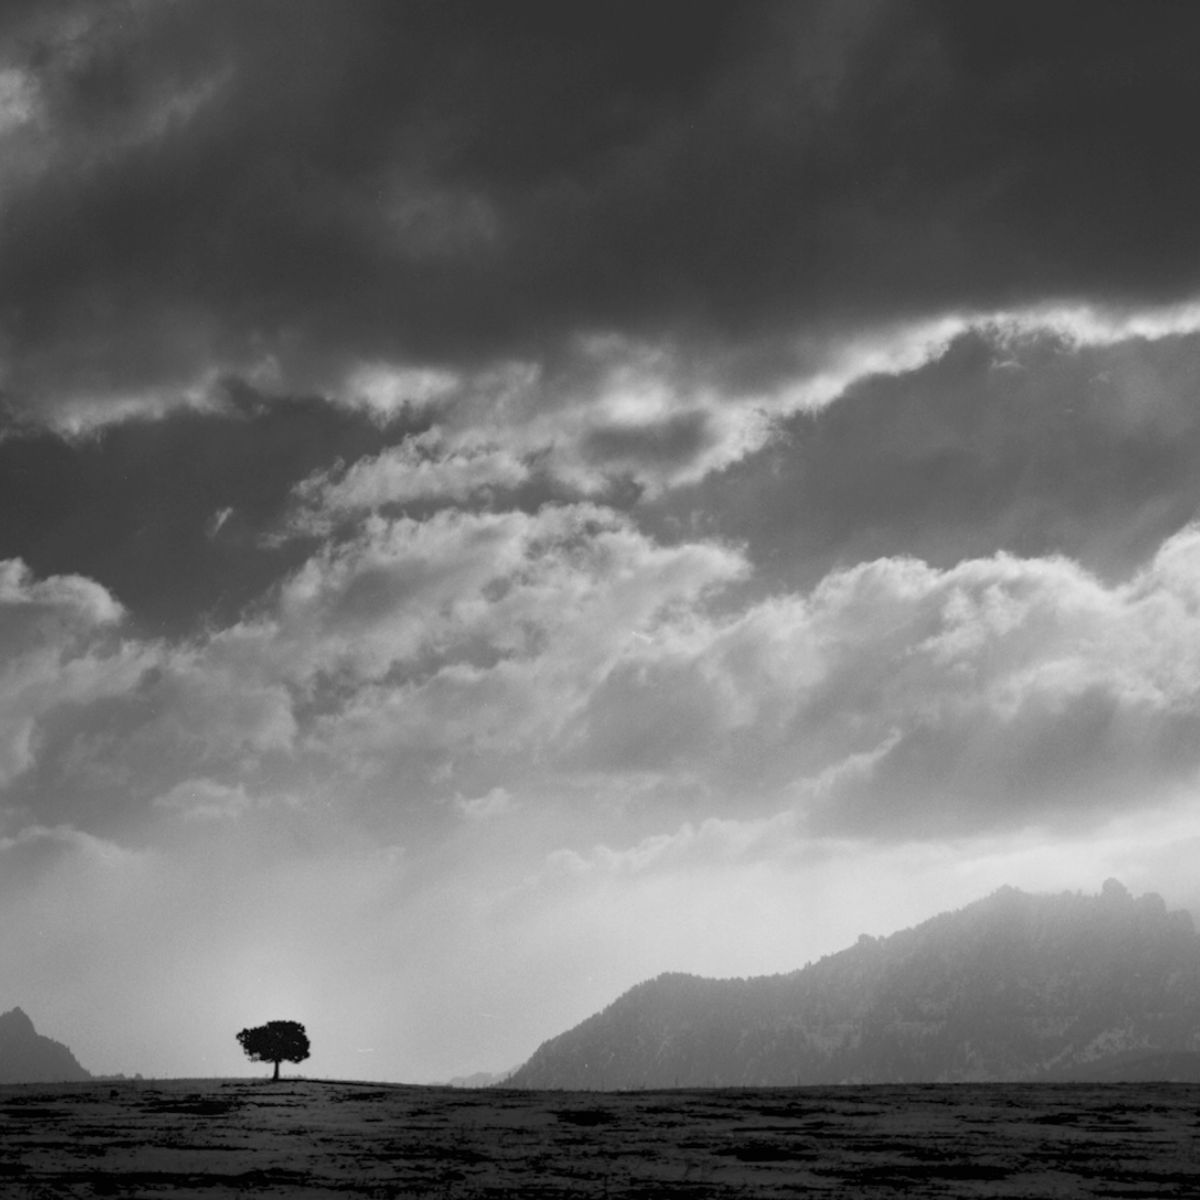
(275, 1042)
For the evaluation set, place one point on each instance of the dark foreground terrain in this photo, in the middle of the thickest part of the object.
(299, 1138)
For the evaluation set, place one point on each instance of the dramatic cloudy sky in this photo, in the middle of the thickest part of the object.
(500, 500)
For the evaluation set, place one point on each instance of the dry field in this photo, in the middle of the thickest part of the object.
(305, 1138)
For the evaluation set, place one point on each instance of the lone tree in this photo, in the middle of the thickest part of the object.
(275, 1042)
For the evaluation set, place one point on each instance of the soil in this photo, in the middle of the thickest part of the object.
(308, 1138)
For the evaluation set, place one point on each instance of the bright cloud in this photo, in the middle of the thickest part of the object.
(19, 99)
(56, 649)
(901, 698)
(620, 409)
(422, 468)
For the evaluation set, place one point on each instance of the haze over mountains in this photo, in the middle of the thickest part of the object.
(1014, 986)
(26, 1056)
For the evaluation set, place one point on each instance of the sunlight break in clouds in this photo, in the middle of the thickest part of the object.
(662, 417)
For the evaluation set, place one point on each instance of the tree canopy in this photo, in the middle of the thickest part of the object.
(275, 1042)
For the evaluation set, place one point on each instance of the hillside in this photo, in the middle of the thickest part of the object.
(28, 1057)
(1014, 986)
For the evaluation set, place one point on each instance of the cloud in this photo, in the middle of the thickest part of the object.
(567, 651)
(499, 581)
(56, 649)
(57, 883)
(940, 441)
(900, 700)
(471, 637)
(604, 413)
(134, 509)
(494, 804)
(715, 841)
(1054, 435)
(54, 605)
(387, 391)
(19, 100)
(95, 717)
(105, 853)
(200, 698)
(726, 190)
(420, 469)
(217, 521)
(204, 800)
(431, 652)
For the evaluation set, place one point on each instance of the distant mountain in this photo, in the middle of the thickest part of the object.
(28, 1057)
(1165, 1066)
(480, 1079)
(1015, 986)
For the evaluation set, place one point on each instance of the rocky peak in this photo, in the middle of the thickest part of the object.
(1014, 986)
(16, 1023)
(28, 1057)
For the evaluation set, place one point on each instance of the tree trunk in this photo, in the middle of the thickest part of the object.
(276, 1075)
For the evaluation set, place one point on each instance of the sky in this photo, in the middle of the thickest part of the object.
(500, 501)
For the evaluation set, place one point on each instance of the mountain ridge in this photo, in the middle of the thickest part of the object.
(1013, 986)
(27, 1056)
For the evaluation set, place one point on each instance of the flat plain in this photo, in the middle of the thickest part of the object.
(310, 1138)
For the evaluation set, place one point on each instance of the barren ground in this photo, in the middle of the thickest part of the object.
(306, 1138)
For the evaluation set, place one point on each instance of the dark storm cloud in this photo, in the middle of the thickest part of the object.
(170, 516)
(1027, 443)
(223, 180)
(323, 184)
